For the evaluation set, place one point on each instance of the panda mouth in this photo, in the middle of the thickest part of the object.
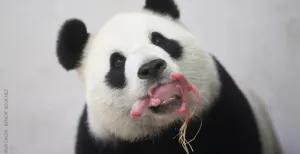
(167, 106)
(166, 97)
(163, 98)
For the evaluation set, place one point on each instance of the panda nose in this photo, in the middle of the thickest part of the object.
(152, 69)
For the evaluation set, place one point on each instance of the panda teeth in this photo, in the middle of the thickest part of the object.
(170, 99)
(165, 101)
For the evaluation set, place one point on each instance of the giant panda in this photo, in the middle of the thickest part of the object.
(136, 51)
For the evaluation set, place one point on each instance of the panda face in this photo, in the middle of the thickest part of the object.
(113, 61)
(120, 58)
(116, 54)
(130, 54)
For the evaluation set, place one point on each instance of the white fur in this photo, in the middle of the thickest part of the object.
(108, 108)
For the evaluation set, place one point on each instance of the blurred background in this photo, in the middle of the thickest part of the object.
(257, 40)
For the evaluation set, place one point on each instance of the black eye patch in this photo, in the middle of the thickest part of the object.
(115, 78)
(172, 47)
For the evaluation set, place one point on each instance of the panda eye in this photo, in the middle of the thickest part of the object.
(171, 46)
(117, 60)
(157, 39)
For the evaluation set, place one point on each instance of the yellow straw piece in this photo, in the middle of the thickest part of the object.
(182, 135)
(182, 139)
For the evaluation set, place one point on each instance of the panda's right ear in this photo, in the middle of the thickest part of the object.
(72, 38)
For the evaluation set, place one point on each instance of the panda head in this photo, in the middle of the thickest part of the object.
(130, 54)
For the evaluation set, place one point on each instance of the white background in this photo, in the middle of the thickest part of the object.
(257, 40)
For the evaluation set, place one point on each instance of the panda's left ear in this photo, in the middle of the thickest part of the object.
(163, 7)
(71, 41)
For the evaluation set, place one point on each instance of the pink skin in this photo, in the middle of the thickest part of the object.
(184, 87)
(139, 107)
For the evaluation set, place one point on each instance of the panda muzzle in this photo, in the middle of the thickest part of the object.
(158, 95)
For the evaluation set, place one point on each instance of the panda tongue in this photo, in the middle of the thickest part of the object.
(181, 87)
(139, 107)
(157, 94)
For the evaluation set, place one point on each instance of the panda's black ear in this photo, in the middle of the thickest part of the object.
(164, 7)
(72, 38)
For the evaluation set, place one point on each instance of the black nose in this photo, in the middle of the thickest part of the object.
(152, 69)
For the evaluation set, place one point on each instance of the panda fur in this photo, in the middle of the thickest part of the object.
(231, 119)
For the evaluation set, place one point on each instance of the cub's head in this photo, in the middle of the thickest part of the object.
(129, 55)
